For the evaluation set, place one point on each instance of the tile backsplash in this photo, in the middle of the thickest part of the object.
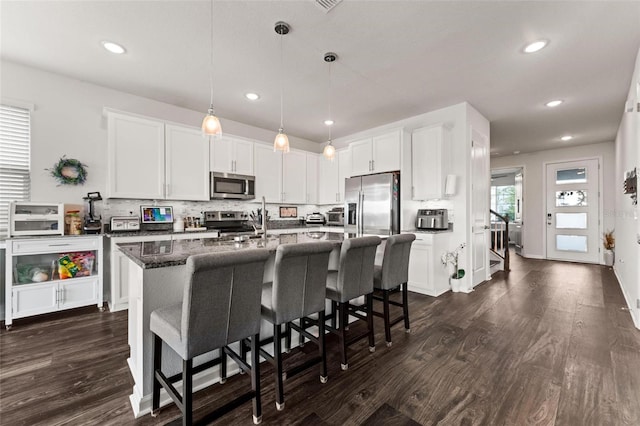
(121, 207)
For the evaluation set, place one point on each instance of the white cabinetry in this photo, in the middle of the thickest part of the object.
(344, 170)
(430, 161)
(231, 155)
(376, 154)
(119, 264)
(294, 177)
(33, 284)
(329, 192)
(186, 164)
(281, 178)
(148, 159)
(312, 178)
(268, 169)
(427, 275)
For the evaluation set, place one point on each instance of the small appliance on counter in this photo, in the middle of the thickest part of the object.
(432, 219)
(335, 216)
(315, 218)
(125, 223)
(92, 222)
(156, 218)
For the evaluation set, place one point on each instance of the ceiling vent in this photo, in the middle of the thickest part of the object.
(326, 5)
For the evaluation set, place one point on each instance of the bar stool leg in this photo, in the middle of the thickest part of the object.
(255, 379)
(287, 337)
(387, 320)
(187, 392)
(223, 364)
(334, 314)
(277, 354)
(322, 348)
(344, 314)
(372, 342)
(405, 308)
(157, 365)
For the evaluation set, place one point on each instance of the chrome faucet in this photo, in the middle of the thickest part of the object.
(264, 219)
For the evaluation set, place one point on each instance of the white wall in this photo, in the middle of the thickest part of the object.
(534, 193)
(68, 120)
(626, 219)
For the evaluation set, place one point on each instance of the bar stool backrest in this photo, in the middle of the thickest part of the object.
(395, 264)
(221, 302)
(355, 270)
(299, 282)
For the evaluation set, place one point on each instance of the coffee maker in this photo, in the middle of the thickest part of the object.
(92, 223)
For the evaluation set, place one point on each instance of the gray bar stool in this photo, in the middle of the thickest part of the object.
(220, 305)
(297, 291)
(354, 278)
(394, 273)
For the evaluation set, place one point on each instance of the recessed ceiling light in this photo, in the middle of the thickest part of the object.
(555, 103)
(252, 96)
(113, 47)
(328, 122)
(516, 152)
(535, 46)
(566, 138)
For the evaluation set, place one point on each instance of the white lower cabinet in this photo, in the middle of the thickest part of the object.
(34, 283)
(427, 275)
(118, 278)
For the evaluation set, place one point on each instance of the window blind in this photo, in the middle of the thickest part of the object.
(15, 149)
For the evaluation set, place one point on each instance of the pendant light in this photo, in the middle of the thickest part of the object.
(211, 125)
(329, 151)
(281, 142)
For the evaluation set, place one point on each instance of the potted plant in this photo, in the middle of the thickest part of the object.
(609, 243)
(451, 257)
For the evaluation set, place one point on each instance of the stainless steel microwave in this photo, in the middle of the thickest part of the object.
(231, 186)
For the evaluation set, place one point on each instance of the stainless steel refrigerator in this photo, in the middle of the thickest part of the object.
(372, 204)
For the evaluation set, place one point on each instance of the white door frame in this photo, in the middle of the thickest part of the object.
(543, 219)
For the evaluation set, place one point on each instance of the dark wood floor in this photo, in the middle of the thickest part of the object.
(548, 344)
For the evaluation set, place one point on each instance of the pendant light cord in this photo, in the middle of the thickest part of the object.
(330, 116)
(281, 82)
(211, 55)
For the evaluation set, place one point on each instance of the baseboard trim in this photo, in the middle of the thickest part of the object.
(533, 256)
(632, 311)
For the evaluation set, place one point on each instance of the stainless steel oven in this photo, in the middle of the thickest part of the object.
(231, 186)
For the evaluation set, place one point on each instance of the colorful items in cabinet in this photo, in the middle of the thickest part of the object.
(78, 264)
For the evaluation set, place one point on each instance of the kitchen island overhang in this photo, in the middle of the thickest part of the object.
(156, 274)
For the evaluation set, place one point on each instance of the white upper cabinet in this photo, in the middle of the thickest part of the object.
(231, 155)
(329, 192)
(376, 154)
(186, 164)
(312, 178)
(294, 177)
(344, 170)
(148, 159)
(430, 161)
(268, 172)
(135, 152)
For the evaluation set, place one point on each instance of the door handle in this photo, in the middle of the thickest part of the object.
(486, 227)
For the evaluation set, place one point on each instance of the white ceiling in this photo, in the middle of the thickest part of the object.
(396, 59)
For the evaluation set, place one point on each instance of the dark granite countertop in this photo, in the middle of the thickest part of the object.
(159, 254)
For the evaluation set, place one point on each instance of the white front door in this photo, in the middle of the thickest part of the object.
(480, 195)
(572, 219)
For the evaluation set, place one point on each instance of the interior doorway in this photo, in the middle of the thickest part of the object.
(507, 199)
(573, 210)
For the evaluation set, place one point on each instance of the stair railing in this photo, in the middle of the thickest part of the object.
(500, 237)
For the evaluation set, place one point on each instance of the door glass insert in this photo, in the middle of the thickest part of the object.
(577, 175)
(575, 198)
(577, 243)
(571, 221)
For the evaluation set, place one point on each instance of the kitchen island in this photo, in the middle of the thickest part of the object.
(156, 278)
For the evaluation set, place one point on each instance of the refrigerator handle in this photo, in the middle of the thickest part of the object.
(361, 221)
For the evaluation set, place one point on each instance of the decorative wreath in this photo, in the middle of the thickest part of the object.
(69, 171)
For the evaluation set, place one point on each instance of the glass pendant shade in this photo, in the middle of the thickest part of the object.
(329, 151)
(281, 142)
(211, 125)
